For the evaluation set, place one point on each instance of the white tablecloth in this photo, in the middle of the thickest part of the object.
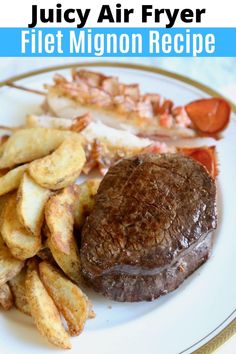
(218, 73)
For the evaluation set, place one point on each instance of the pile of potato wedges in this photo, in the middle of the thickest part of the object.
(42, 210)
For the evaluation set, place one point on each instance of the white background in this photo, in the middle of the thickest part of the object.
(15, 13)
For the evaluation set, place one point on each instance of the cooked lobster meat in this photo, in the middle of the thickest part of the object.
(123, 106)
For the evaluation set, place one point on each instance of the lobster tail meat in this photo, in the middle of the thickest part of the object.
(123, 106)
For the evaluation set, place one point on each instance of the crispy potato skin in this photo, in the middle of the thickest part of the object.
(6, 298)
(59, 215)
(9, 266)
(84, 202)
(21, 243)
(70, 264)
(69, 299)
(26, 145)
(61, 168)
(44, 311)
(11, 180)
(3, 200)
(17, 285)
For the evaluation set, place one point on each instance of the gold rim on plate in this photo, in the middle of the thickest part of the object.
(230, 329)
(151, 69)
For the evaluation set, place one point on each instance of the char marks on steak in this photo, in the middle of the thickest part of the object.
(150, 227)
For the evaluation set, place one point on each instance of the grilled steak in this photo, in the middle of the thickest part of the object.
(150, 227)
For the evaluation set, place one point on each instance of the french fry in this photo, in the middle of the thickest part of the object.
(6, 298)
(31, 200)
(85, 200)
(11, 180)
(61, 168)
(17, 285)
(44, 311)
(21, 243)
(9, 266)
(26, 145)
(69, 299)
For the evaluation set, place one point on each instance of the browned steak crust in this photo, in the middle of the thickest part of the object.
(149, 228)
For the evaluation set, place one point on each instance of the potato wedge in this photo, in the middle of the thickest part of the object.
(11, 180)
(31, 200)
(44, 311)
(9, 266)
(3, 199)
(59, 216)
(21, 243)
(6, 298)
(17, 285)
(69, 263)
(61, 168)
(26, 145)
(85, 200)
(69, 299)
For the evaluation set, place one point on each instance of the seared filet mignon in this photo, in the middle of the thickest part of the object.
(150, 227)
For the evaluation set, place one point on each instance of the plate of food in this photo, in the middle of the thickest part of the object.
(116, 200)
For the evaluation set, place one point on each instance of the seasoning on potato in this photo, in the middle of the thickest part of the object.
(17, 285)
(9, 266)
(6, 298)
(26, 145)
(85, 200)
(70, 300)
(11, 180)
(22, 243)
(44, 311)
(61, 168)
(59, 215)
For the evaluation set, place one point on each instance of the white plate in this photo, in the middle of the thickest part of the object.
(179, 322)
